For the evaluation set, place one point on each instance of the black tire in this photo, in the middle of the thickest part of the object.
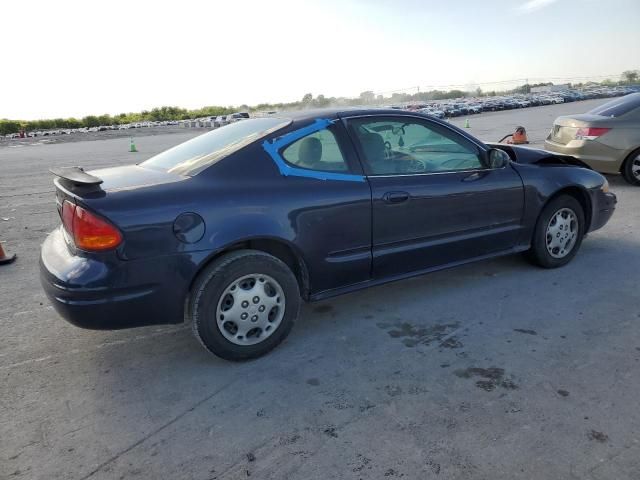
(213, 282)
(538, 254)
(627, 173)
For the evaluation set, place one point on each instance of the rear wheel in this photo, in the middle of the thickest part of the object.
(558, 233)
(631, 168)
(244, 304)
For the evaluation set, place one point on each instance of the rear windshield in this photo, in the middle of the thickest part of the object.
(618, 106)
(193, 156)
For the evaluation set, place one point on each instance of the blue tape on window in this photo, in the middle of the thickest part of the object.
(288, 170)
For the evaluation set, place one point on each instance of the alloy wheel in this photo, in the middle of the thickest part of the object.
(635, 167)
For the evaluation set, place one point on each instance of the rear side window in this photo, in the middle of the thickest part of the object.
(317, 151)
(193, 156)
(618, 107)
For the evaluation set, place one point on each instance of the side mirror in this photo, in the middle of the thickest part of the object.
(498, 158)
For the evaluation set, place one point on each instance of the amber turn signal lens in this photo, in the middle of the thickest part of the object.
(89, 231)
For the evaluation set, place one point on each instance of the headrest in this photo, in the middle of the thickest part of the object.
(310, 151)
(373, 146)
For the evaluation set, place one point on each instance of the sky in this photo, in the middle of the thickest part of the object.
(74, 58)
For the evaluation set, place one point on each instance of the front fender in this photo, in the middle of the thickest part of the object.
(543, 182)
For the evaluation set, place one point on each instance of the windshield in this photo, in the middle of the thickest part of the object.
(618, 107)
(193, 156)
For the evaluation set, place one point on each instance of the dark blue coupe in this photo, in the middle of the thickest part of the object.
(231, 229)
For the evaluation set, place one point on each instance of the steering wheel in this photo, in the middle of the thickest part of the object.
(415, 166)
(458, 162)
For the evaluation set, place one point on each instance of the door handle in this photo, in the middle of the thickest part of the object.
(395, 197)
(472, 177)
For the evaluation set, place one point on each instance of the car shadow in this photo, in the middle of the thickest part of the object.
(616, 181)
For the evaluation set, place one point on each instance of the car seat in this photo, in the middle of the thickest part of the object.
(374, 150)
(310, 153)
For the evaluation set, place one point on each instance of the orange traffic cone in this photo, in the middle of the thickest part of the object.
(4, 260)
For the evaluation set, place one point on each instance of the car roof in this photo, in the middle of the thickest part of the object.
(302, 116)
(311, 114)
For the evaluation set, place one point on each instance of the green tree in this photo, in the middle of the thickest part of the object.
(455, 94)
(9, 126)
(630, 76)
(321, 101)
(367, 97)
(90, 121)
(105, 120)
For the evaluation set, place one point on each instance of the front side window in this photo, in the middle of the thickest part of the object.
(317, 151)
(405, 146)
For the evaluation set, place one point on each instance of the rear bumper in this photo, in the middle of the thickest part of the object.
(604, 204)
(103, 292)
(598, 156)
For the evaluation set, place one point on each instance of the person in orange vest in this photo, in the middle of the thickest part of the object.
(519, 137)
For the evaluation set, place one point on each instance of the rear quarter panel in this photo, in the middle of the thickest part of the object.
(624, 134)
(244, 197)
(326, 222)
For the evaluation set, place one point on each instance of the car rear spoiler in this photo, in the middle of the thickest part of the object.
(76, 179)
(76, 176)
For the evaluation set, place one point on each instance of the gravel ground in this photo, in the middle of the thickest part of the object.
(496, 370)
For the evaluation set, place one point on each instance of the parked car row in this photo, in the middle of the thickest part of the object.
(101, 128)
(222, 120)
(470, 106)
(439, 109)
(213, 122)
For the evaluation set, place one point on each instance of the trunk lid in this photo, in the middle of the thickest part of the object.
(565, 128)
(76, 183)
(78, 186)
(132, 176)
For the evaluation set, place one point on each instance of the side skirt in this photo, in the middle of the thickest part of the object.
(334, 292)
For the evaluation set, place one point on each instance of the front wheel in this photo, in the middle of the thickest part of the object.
(631, 168)
(244, 304)
(558, 233)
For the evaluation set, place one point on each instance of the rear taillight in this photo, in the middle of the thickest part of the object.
(68, 211)
(89, 231)
(590, 133)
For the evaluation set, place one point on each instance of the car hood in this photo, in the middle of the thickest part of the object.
(527, 155)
